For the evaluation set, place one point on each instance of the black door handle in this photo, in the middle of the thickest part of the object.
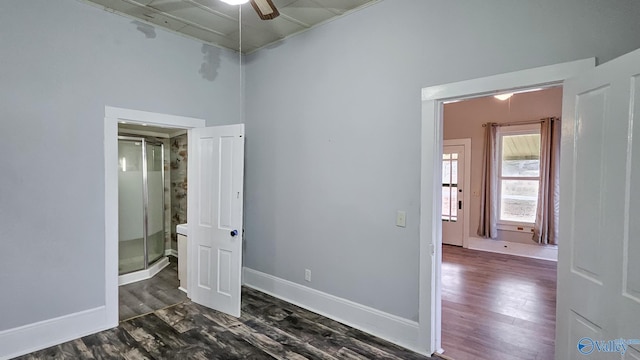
(234, 233)
(459, 204)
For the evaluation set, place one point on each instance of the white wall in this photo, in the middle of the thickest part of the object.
(333, 128)
(62, 62)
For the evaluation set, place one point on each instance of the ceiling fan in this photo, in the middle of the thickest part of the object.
(264, 8)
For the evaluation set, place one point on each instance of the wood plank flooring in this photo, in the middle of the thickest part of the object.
(494, 306)
(157, 293)
(497, 306)
(268, 329)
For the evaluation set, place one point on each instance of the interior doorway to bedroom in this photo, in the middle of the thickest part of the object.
(498, 295)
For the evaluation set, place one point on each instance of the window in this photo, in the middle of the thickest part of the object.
(518, 174)
(450, 187)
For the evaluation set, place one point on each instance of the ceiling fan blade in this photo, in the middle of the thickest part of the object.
(265, 9)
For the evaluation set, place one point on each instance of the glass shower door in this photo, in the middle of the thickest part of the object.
(131, 209)
(155, 208)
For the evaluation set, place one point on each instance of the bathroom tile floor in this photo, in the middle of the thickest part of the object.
(147, 296)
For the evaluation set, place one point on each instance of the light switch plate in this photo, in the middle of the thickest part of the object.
(401, 218)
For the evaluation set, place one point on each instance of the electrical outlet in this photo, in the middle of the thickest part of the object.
(307, 275)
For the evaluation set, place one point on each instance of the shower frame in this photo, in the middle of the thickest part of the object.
(145, 196)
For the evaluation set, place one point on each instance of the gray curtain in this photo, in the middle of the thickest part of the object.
(545, 230)
(489, 191)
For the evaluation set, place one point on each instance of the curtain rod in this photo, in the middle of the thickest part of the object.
(526, 122)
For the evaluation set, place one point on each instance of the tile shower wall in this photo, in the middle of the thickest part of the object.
(178, 185)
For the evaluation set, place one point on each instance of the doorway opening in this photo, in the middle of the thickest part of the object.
(161, 290)
(433, 100)
(496, 297)
(152, 202)
(506, 303)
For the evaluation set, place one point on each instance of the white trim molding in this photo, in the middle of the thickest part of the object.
(534, 251)
(433, 98)
(151, 118)
(518, 80)
(41, 335)
(390, 327)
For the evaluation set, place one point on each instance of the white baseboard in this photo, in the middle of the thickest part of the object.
(37, 336)
(390, 327)
(171, 252)
(544, 252)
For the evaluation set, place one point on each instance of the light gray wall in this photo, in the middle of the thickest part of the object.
(61, 62)
(333, 127)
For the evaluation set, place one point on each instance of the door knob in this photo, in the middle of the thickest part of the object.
(234, 233)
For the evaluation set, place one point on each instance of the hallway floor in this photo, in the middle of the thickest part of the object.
(497, 306)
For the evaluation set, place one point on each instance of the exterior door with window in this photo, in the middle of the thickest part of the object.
(452, 190)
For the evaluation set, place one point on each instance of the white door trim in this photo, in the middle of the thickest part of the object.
(466, 194)
(112, 116)
(430, 310)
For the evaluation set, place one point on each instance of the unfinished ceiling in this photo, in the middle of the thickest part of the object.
(215, 22)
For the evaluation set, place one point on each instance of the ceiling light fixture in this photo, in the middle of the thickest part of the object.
(265, 9)
(235, 2)
(503, 97)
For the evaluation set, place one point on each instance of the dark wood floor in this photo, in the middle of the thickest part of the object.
(157, 293)
(268, 329)
(497, 306)
(493, 307)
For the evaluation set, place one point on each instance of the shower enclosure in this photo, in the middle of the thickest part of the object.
(140, 207)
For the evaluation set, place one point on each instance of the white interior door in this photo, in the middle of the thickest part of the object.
(453, 221)
(599, 252)
(214, 214)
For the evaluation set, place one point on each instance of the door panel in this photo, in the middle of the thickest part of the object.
(131, 207)
(225, 263)
(453, 221)
(631, 239)
(204, 262)
(214, 213)
(598, 275)
(582, 328)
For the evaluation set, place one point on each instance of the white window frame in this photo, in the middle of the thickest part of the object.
(510, 131)
(451, 205)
